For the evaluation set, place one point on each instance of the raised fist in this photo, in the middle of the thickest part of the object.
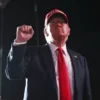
(24, 33)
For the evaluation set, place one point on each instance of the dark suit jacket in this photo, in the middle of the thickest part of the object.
(36, 64)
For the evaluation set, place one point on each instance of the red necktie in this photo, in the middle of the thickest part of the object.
(64, 83)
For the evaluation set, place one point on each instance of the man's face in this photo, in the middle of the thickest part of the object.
(58, 29)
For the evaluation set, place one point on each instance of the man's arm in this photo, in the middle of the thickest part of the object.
(17, 61)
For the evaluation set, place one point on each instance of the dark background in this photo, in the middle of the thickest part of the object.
(84, 21)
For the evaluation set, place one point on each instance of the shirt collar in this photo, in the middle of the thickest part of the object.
(54, 48)
(65, 49)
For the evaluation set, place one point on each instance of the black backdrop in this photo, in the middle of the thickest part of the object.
(84, 23)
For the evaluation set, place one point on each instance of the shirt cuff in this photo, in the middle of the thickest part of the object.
(17, 44)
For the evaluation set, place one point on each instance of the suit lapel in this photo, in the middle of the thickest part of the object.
(74, 61)
(48, 61)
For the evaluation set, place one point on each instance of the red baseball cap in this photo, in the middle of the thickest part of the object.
(55, 13)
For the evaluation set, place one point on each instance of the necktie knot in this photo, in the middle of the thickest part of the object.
(59, 50)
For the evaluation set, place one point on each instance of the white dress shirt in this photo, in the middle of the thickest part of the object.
(68, 63)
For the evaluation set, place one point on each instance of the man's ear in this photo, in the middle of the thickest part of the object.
(68, 31)
(45, 31)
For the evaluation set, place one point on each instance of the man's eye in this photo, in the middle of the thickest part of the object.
(54, 22)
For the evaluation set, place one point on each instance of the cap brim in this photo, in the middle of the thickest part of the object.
(57, 15)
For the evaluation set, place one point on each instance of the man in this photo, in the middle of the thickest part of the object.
(53, 71)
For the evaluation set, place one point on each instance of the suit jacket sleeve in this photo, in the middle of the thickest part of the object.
(87, 87)
(17, 61)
